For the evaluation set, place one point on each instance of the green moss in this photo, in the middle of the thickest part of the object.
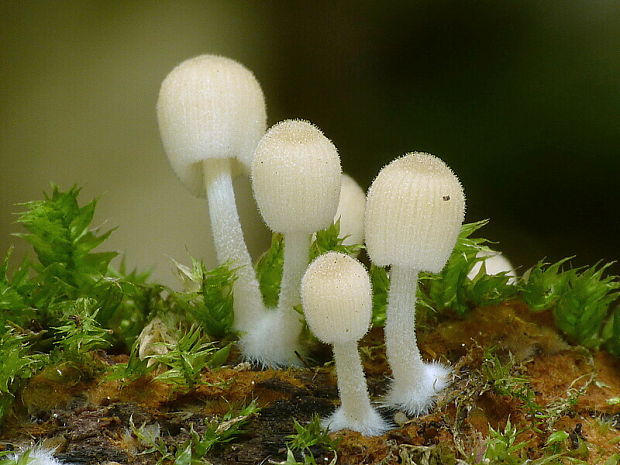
(611, 333)
(310, 437)
(329, 240)
(584, 304)
(209, 302)
(579, 298)
(18, 365)
(453, 290)
(269, 270)
(193, 450)
(185, 359)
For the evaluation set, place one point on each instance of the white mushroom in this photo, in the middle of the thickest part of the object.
(351, 207)
(414, 212)
(211, 114)
(494, 263)
(337, 301)
(296, 181)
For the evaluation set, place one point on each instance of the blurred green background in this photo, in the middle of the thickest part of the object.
(521, 99)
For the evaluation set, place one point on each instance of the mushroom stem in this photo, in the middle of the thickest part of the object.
(229, 243)
(416, 383)
(273, 340)
(296, 256)
(400, 337)
(355, 403)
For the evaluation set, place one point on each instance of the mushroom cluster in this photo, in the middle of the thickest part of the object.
(212, 120)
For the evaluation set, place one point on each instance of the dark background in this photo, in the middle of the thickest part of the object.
(521, 99)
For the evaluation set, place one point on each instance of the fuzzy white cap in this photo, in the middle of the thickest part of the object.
(351, 207)
(414, 212)
(209, 107)
(296, 178)
(337, 298)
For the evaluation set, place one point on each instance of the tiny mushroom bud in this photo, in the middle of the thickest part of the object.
(494, 263)
(337, 302)
(350, 211)
(296, 181)
(414, 212)
(211, 114)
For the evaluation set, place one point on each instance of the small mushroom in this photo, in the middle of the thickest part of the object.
(296, 181)
(494, 263)
(350, 211)
(211, 114)
(337, 302)
(414, 212)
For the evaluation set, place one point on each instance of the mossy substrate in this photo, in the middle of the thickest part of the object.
(88, 420)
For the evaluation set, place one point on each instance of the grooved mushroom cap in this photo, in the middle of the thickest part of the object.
(414, 212)
(337, 298)
(351, 209)
(209, 107)
(296, 178)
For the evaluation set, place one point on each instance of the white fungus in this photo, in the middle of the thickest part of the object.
(351, 207)
(296, 179)
(337, 302)
(414, 212)
(494, 263)
(211, 114)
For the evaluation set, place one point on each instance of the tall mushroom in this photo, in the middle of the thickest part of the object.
(296, 181)
(414, 212)
(337, 302)
(211, 114)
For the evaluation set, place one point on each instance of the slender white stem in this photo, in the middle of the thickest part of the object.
(229, 243)
(296, 256)
(273, 339)
(352, 389)
(400, 338)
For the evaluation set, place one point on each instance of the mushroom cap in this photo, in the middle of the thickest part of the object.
(337, 298)
(351, 208)
(296, 178)
(414, 212)
(209, 107)
(494, 263)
